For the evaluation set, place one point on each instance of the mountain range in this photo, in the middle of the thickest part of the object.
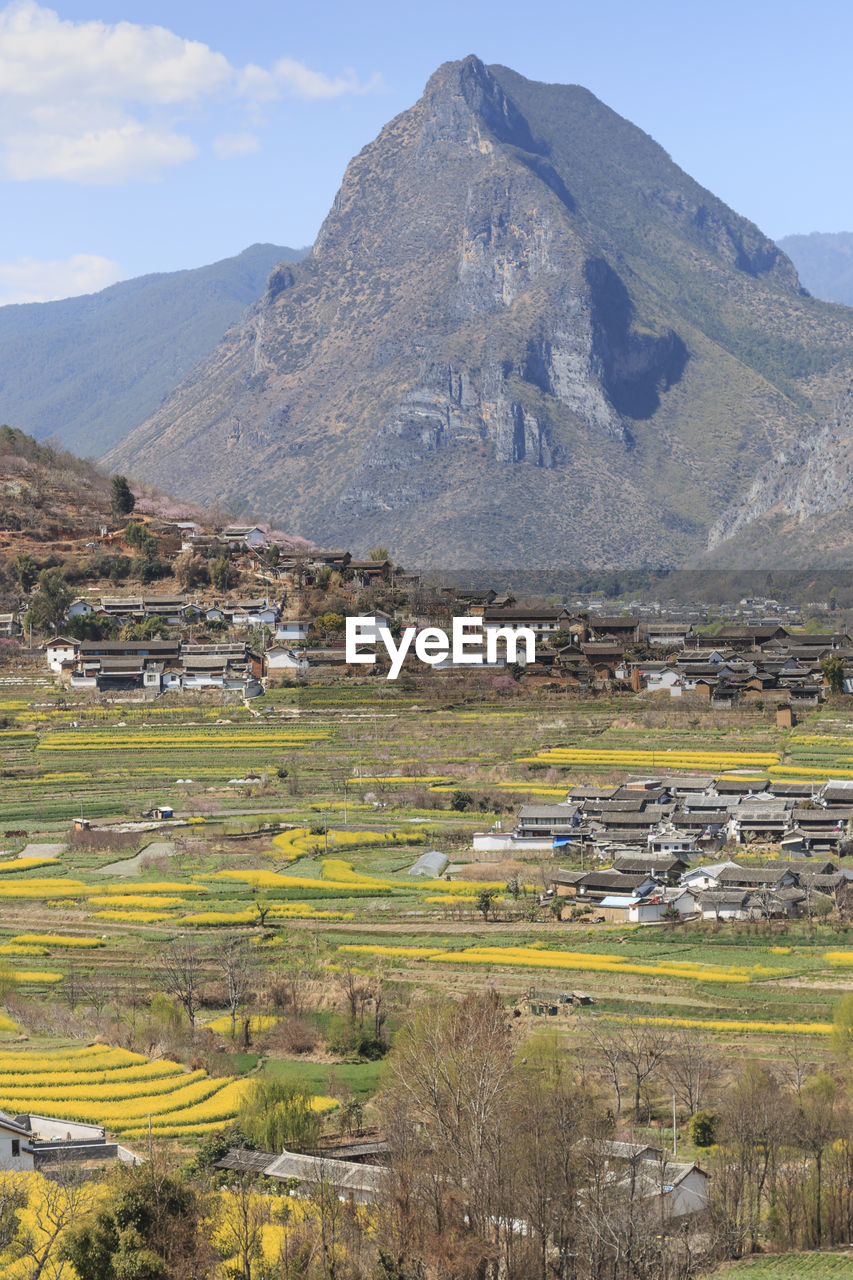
(824, 262)
(87, 370)
(524, 337)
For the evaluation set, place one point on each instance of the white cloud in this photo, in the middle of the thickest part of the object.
(229, 145)
(35, 280)
(94, 102)
(290, 78)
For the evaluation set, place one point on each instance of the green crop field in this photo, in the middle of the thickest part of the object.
(789, 1266)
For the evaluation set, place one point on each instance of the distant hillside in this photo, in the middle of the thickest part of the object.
(87, 370)
(824, 262)
(523, 338)
(46, 493)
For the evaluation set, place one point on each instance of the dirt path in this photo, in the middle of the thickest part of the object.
(132, 866)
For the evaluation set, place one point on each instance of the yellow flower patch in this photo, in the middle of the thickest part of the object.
(729, 1024)
(58, 940)
(259, 1022)
(133, 917)
(145, 901)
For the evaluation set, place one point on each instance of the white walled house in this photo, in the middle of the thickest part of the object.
(292, 631)
(15, 1151)
(705, 877)
(60, 651)
(670, 840)
(244, 535)
(80, 608)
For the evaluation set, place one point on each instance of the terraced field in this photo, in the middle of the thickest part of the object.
(121, 1090)
(363, 778)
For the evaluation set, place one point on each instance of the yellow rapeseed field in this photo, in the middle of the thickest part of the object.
(730, 1024)
(581, 961)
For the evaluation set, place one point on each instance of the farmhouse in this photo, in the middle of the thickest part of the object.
(250, 536)
(542, 622)
(281, 660)
(60, 652)
(292, 631)
(546, 819)
(33, 1141)
(359, 1183)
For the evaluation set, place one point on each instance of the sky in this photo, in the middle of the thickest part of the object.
(140, 137)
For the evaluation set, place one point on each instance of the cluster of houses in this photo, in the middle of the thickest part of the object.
(177, 611)
(644, 889)
(670, 1190)
(162, 666)
(157, 666)
(644, 838)
(759, 660)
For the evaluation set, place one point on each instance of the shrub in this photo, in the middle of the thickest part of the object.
(349, 1040)
(295, 1035)
(702, 1127)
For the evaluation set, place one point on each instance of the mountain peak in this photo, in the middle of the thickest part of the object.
(523, 336)
(484, 97)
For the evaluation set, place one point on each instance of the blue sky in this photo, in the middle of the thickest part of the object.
(139, 137)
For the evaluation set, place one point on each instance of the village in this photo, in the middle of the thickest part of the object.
(267, 890)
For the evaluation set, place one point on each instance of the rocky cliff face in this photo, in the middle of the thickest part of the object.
(523, 336)
(798, 510)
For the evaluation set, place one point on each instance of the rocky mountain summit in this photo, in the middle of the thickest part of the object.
(523, 337)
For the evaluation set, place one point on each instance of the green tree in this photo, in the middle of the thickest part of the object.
(138, 536)
(25, 570)
(150, 1228)
(379, 554)
(276, 1116)
(461, 800)
(123, 500)
(485, 902)
(220, 573)
(702, 1127)
(833, 671)
(329, 624)
(50, 603)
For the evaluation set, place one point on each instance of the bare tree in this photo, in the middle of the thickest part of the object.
(609, 1049)
(453, 1078)
(239, 973)
(182, 973)
(754, 1120)
(816, 1124)
(690, 1067)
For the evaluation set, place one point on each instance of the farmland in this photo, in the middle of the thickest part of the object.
(789, 1266)
(296, 822)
